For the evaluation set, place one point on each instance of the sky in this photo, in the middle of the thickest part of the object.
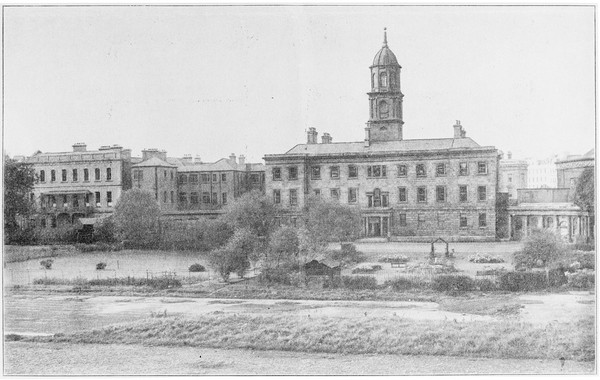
(214, 80)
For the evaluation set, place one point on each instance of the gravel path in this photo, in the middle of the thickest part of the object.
(92, 359)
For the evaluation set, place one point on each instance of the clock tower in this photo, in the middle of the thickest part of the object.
(385, 98)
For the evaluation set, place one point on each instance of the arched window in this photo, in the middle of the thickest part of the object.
(384, 110)
(373, 79)
(383, 79)
(392, 78)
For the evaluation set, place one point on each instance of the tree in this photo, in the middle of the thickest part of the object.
(136, 218)
(19, 179)
(235, 255)
(253, 211)
(584, 190)
(329, 221)
(284, 246)
(540, 249)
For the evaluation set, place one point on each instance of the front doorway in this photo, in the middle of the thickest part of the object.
(377, 226)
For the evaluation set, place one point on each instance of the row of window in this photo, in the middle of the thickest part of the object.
(77, 201)
(138, 175)
(75, 175)
(463, 221)
(203, 177)
(207, 198)
(377, 198)
(379, 171)
(383, 79)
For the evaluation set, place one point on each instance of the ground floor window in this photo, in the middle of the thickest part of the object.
(463, 221)
(482, 220)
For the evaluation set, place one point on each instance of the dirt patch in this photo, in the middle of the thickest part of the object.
(224, 302)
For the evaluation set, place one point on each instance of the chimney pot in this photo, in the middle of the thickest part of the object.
(232, 158)
(79, 147)
(242, 159)
(311, 135)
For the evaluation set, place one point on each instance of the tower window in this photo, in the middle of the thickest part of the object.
(384, 110)
(383, 80)
(392, 78)
(373, 79)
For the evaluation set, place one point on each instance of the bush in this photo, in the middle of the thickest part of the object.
(20, 236)
(557, 277)
(485, 285)
(581, 279)
(371, 269)
(274, 276)
(394, 259)
(105, 231)
(359, 282)
(445, 283)
(347, 255)
(298, 279)
(100, 266)
(485, 259)
(522, 281)
(405, 283)
(196, 268)
(66, 234)
(47, 264)
(540, 249)
(155, 283)
(136, 219)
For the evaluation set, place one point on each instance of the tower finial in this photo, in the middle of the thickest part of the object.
(384, 37)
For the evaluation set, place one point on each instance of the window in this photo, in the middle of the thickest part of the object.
(384, 110)
(64, 201)
(462, 193)
(420, 220)
(334, 172)
(463, 221)
(440, 169)
(352, 171)
(206, 197)
(53, 221)
(53, 201)
(384, 200)
(172, 196)
(223, 177)
(86, 199)
(183, 198)
(52, 175)
(383, 79)
(421, 194)
(463, 168)
(75, 175)
(293, 173)
(401, 170)
(75, 201)
(277, 174)
(352, 195)
(165, 174)
(277, 196)
(254, 178)
(315, 172)
(421, 170)
(440, 193)
(293, 197)
(97, 194)
(138, 175)
(214, 198)
(193, 178)
(402, 220)
(482, 220)
(165, 197)
(317, 192)
(42, 176)
(86, 175)
(183, 179)
(294, 221)
(335, 194)
(43, 223)
(108, 174)
(402, 194)
(509, 179)
(481, 168)
(194, 198)
(64, 175)
(97, 174)
(109, 198)
(215, 178)
(172, 179)
(481, 193)
(377, 199)
(205, 178)
(224, 198)
(376, 171)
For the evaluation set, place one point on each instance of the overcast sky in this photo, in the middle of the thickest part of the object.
(212, 80)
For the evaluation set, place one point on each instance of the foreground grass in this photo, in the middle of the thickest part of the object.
(574, 341)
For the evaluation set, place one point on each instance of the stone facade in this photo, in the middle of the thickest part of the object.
(569, 169)
(513, 176)
(405, 189)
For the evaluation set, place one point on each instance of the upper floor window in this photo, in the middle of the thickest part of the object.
(335, 194)
(86, 175)
(463, 168)
(183, 198)
(108, 174)
(183, 179)
(223, 178)
(276, 174)
(64, 175)
(52, 175)
(277, 196)
(481, 193)
(293, 197)
(384, 110)
(204, 177)
(194, 198)
(383, 79)
(317, 192)
(109, 198)
(352, 171)
(75, 175)
(440, 169)
(334, 172)
(165, 176)
(97, 174)
(402, 194)
(377, 199)
(463, 221)
(293, 173)
(165, 197)
(421, 194)
(421, 172)
(224, 198)
(402, 171)
(254, 178)
(440, 194)
(315, 172)
(215, 177)
(462, 193)
(392, 78)
(193, 178)
(138, 175)
(206, 197)
(482, 168)
(42, 176)
(373, 80)
(376, 171)
(482, 220)
(352, 192)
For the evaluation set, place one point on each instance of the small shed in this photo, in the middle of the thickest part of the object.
(322, 268)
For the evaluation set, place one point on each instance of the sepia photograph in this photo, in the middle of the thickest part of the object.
(308, 189)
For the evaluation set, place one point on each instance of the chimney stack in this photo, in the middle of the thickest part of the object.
(197, 160)
(187, 159)
(311, 135)
(459, 131)
(153, 152)
(326, 138)
(79, 147)
(232, 158)
(242, 159)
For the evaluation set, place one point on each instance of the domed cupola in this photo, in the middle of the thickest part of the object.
(385, 98)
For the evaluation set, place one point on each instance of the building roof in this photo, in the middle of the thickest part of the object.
(413, 145)
(151, 162)
(385, 56)
(224, 164)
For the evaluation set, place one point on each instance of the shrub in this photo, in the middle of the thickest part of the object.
(332, 282)
(522, 281)
(274, 276)
(557, 277)
(65, 234)
(347, 255)
(394, 259)
(20, 236)
(47, 264)
(100, 266)
(445, 283)
(485, 259)
(485, 285)
(136, 219)
(105, 231)
(581, 279)
(540, 249)
(196, 268)
(405, 283)
(359, 282)
(298, 279)
(371, 269)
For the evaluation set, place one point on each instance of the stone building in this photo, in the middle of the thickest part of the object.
(569, 169)
(406, 189)
(541, 173)
(80, 183)
(513, 176)
(155, 174)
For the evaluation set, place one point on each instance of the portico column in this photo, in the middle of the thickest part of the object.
(540, 223)
(509, 227)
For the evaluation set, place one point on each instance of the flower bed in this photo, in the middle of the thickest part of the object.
(394, 259)
(485, 259)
